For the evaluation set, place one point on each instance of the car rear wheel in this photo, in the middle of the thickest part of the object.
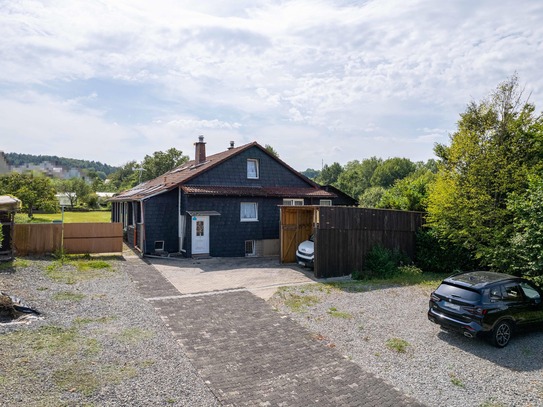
(502, 334)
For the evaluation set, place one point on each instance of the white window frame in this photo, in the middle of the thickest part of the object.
(250, 174)
(293, 202)
(325, 202)
(242, 212)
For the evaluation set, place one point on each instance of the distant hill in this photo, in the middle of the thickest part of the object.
(16, 159)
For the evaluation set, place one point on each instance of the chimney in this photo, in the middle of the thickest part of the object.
(231, 145)
(200, 154)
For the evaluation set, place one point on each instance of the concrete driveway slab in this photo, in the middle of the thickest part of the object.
(260, 276)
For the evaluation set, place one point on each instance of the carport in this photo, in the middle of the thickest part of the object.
(344, 235)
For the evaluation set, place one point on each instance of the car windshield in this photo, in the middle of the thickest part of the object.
(453, 291)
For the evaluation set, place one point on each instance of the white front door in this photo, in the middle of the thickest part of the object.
(200, 234)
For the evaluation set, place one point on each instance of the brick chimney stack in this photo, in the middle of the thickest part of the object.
(200, 154)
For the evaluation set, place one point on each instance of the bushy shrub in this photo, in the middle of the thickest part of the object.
(381, 262)
(441, 256)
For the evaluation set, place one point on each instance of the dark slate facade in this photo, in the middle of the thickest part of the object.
(234, 172)
(227, 233)
(161, 220)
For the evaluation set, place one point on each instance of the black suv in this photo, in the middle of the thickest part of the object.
(483, 302)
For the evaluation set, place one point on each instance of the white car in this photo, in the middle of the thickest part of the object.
(305, 255)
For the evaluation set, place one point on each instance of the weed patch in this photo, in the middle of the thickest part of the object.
(87, 321)
(338, 314)
(131, 335)
(299, 303)
(397, 345)
(74, 269)
(456, 380)
(68, 296)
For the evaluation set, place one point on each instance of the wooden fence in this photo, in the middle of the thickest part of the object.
(344, 235)
(79, 238)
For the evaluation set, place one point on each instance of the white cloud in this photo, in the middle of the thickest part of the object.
(372, 74)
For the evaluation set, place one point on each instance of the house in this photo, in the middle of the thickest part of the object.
(223, 205)
(341, 198)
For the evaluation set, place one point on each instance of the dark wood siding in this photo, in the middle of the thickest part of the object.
(345, 235)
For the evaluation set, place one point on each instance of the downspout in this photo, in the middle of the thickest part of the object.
(181, 223)
(142, 227)
(135, 223)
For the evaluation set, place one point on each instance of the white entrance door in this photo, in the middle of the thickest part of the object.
(200, 234)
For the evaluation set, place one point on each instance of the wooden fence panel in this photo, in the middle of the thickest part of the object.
(36, 238)
(345, 235)
(93, 238)
(79, 238)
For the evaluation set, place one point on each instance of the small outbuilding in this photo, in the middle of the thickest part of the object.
(8, 207)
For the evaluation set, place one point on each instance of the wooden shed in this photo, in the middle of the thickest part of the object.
(8, 208)
(344, 235)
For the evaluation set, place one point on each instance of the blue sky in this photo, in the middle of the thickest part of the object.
(320, 81)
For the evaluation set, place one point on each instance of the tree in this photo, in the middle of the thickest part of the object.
(125, 177)
(524, 252)
(391, 170)
(75, 189)
(356, 177)
(371, 197)
(495, 148)
(311, 173)
(409, 193)
(271, 150)
(329, 174)
(161, 162)
(81, 188)
(35, 192)
(65, 187)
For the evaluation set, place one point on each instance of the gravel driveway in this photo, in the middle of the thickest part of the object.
(98, 344)
(437, 368)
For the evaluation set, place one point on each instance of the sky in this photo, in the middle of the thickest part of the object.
(319, 81)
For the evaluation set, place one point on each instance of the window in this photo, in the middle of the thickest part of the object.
(512, 292)
(159, 245)
(248, 212)
(199, 228)
(325, 202)
(250, 248)
(293, 202)
(530, 291)
(252, 168)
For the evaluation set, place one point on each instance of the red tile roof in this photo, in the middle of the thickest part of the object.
(178, 176)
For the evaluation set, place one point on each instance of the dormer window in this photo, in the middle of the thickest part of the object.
(252, 169)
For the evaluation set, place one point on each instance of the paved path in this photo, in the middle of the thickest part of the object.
(250, 355)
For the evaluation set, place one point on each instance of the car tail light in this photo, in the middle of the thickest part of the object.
(476, 310)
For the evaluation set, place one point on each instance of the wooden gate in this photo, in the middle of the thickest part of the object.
(297, 224)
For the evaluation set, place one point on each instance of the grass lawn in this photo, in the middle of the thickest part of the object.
(69, 217)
